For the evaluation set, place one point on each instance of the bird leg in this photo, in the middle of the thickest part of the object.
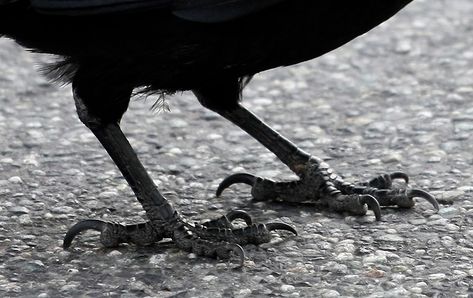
(318, 182)
(217, 238)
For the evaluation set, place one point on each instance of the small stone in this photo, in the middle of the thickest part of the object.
(416, 290)
(448, 197)
(418, 221)
(470, 272)
(304, 284)
(7, 160)
(73, 172)
(17, 210)
(328, 293)
(391, 238)
(68, 287)
(38, 173)
(244, 292)
(221, 266)
(262, 101)
(374, 161)
(287, 288)
(375, 273)
(15, 179)
(213, 136)
(300, 268)
(421, 284)
(447, 240)
(37, 263)
(392, 158)
(137, 286)
(30, 160)
(434, 159)
(438, 222)
(336, 268)
(400, 268)
(107, 195)
(209, 278)
(345, 246)
(463, 124)
(398, 278)
(25, 219)
(465, 188)
(437, 276)
(377, 257)
(419, 251)
(177, 123)
(175, 151)
(345, 256)
(270, 279)
(114, 253)
(388, 248)
(157, 259)
(447, 211)
(435, 217)
(403, 47)
(452, 227)
(459, 274)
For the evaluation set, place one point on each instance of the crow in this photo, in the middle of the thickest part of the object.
(108, 48)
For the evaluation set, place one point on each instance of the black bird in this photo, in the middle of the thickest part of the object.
(107, 48)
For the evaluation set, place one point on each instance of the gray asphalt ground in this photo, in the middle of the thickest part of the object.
(398, 98)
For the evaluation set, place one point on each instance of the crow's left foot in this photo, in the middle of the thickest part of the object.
(318, 183)
(215, 238)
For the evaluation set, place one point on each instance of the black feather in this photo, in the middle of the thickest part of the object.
(154, 50)
(61, 71)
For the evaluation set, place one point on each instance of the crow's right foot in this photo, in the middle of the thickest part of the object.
(319, 183)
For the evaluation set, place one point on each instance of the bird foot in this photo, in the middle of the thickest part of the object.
(216, 238)
(318, 183)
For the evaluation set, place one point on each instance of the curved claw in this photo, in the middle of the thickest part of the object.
(238, 250)
(239, 214)
(419, 193)
(88, 224)
(400, 175)
(280, 226)
(236, 178)
(373, 204)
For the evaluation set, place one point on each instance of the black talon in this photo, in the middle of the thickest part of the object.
(236, 178)
(88, 224)
(412, 193)
(238, 250)
(280, 226)
(373, 204)
(400, 175)
(239, 214)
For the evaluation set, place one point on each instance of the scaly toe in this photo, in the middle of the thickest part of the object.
(112, 234)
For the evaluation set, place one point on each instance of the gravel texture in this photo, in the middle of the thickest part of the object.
(399, 98)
